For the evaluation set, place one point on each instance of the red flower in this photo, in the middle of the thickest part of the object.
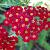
(16, 21)
(18, 9)
(45, 24)
(26, 38)
(6, 22)
(26, 35)
(30, 9)
(8, 14)
(12, 9)
(48, 24)
(34, 36)
(1, 47)
(14, 39)
(1, 27)
(14, 27)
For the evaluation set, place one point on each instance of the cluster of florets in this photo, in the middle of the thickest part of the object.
(6, 43)
(27, 22)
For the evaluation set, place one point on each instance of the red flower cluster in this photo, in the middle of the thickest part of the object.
(6, 43)
(24, 21)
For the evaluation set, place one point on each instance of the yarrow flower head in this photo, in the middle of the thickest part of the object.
(6, 43)
(27, 22)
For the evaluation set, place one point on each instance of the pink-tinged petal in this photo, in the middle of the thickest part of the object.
(34, 37)
(6, 22)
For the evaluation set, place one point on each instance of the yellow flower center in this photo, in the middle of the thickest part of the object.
(18, 8)
(26, 31)
(16, 20)
(26, 19)
(17, 13)
(48, 14)
(31, 14)
(31, 8)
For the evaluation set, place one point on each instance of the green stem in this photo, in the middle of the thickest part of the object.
(3, 4)
(13, 1)
(42, 37)
(48, 19)
(42, 41)
(7, 5)
(38, 4)
(30, 45)
(20, 43)
(2, 9)
(9, 1)
(46, 46)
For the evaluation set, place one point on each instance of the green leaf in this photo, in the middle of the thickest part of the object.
(26, 44)
(4, 0)
(42, 37)
(26, 2)
(20, 43)
(37, 17)
(9, 3)
(45, 45)
(38, 4)
(2, 9)
(30, 45)
(48, 19)
(2, 18)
